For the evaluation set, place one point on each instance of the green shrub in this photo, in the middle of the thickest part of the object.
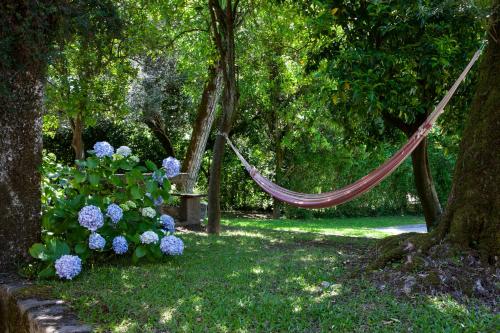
(118, 193)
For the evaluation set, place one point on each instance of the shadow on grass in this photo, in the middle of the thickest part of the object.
(257, 280)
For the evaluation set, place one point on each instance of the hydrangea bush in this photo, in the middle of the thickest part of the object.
(107, 204)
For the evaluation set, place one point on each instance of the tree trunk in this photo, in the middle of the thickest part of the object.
(77, 143)
(472, 216)
(20, 158)
(156, 124)
(223, 25)
(274, 122)
(27, 30)
(228, 106)
(202, 126)
(279, 156)
(425, 186)
(426, 191)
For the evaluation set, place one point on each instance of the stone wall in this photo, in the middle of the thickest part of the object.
(24, 312)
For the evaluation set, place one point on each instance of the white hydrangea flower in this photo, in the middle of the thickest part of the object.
(149, 212)
(149, 237)
(124, 151)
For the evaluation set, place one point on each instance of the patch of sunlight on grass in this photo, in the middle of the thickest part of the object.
(257, 270)
(353, 227)
(447, 304)
(246, 233)
(329, 293)
(124, 326)
(167, 315)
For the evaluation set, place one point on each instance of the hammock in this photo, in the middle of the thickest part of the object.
(349, 192)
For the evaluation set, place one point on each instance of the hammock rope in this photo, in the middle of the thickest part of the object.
(352, 191)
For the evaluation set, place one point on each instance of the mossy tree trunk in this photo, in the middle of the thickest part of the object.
(156, 124)
(77, 127)
(472, 216)
(27, 29)
(422, 175)
(202, 126)
(224, 21)
(425, 185)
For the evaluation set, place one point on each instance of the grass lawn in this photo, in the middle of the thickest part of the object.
(263, 276)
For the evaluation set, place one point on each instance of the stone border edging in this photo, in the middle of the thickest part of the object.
(33, 314)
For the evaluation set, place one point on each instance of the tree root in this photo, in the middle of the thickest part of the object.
(405, 246)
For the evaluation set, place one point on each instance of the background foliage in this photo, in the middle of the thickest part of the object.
(314, 79)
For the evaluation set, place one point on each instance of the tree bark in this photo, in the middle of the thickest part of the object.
(26, 32)
(77, 126)
(223, 26)
(202, 127)
(279, 157)
(472, 216)
(425, 186)
(422, 176)
(157, 126)
(274, 122)
(20, 158)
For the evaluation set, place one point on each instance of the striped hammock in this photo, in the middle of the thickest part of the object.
(349, 192)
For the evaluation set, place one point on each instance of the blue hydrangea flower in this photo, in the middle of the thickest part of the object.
(172, 166)
(149, 237)
(158, 201)
(96, 241)
(149, 212)
(102, 149)
(124, 151)
(172, 245)
(157, 175)
(68, 266)
(91, 217)
(114, 212)
(120, 245)
(167, 223)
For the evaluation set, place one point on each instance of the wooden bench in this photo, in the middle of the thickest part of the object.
(191, 211)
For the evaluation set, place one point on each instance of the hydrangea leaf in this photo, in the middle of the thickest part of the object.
(151, 186)
(57, 248)
(125, 165)
(80, 177)
(135, 191)
(47, 272)
(91, 163)
(140, 251)
(38, 251)
(94, 179)
(150, 165)
(80, 248)
(116, 180)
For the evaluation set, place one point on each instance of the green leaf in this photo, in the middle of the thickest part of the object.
(135, 191)
(80, 248)
(80, 177)
(116, 180)
(125, 165)
(151, 166)
(57, 248)
(151, 186)
(94, 179)
(140, 251)
(47, 272)
(38, 251)
(91, 163)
